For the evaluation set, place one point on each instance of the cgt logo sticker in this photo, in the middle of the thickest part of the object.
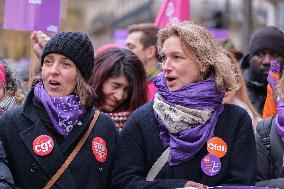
(99, 149)
(43, 145)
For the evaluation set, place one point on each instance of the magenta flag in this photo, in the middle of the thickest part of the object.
(172, 11)
(32, 15)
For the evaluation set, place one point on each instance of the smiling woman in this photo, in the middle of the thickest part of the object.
(119, 80)
(116, 91)
(58, 113)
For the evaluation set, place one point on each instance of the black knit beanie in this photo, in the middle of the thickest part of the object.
(267, 38)
(73, 45)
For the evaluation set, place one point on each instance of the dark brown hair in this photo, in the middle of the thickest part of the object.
(149, 37)
(115, 62)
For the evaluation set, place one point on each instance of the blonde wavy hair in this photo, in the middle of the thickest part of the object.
(212, 57)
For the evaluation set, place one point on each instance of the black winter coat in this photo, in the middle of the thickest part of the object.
(139, 147)
(20, 127)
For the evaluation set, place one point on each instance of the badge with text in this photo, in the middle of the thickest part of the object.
(99, 149)
(211, 165)
(217, 147)
(43, 145)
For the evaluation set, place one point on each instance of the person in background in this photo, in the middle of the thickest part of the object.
(270, 142)
(142, 40)
(170, 142)
(58, 112)
(119, 80)
(239, 95)
(11, 91)
(266, 44)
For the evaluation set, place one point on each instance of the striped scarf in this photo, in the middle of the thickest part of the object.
(119, 119)
(7, 103)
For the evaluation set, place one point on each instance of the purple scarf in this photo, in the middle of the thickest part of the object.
(64, 112)
(280, 118)
(202, 96)
(274, 67)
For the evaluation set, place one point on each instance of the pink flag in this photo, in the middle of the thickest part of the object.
(172, 11)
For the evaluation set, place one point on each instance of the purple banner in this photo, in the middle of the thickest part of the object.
(220, 34)
(32, 15)
(120, 36)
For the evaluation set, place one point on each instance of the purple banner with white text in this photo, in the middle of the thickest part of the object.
(32, 15)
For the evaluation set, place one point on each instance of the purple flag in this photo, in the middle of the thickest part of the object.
(32, 15)
(220, 34)
(120, 36)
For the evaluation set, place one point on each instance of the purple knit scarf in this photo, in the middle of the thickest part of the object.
(202, 96)
(280, 118)
(64, 112)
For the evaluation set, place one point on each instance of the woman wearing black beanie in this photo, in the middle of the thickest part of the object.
(56, 139)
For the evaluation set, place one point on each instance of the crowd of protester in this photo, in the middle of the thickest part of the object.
(172, 109)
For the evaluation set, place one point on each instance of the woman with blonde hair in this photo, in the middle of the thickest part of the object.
(187, 137)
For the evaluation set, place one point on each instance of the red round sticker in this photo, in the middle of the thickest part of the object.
(43, 145)
(217, 147)
(99, 149)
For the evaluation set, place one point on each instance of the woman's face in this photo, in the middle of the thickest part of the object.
(2, 92)
(179, 67)
(115, 91)
(58, 75)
